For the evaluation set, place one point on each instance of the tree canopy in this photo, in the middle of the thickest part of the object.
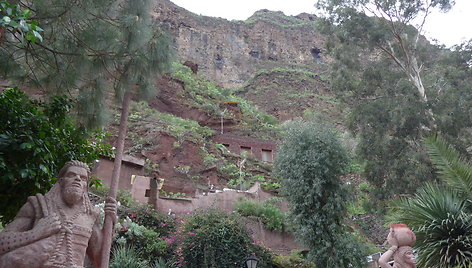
(90, 51)
(36, 140)
(398, 86)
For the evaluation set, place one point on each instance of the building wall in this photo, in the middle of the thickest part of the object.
(238, 144)
(279, 242)
(103, 170)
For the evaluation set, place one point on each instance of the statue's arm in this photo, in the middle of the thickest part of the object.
(385, 258)
(21, 232)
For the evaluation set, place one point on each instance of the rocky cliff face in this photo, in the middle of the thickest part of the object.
(230, 52)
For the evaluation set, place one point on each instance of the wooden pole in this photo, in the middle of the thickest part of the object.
(109, 223)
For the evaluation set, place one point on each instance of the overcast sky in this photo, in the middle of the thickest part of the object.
(449, 28)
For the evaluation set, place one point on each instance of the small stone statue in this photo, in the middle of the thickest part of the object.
(401, 238)
(57, 229)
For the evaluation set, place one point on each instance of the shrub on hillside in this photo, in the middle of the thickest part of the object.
(294, 260)
(150, 218)
(270, 215)
(212, 238)
(144, 230)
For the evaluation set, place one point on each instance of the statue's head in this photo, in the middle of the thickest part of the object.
(74, 178)
(404, 257)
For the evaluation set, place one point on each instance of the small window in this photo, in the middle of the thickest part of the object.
(148, 193)
(246, 150)
(267, 155)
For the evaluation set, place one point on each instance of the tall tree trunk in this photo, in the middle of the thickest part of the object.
(2, 33)
(109, 223)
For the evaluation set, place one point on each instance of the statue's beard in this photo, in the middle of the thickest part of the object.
(72, 195)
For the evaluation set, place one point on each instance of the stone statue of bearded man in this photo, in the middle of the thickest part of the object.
(56, 229)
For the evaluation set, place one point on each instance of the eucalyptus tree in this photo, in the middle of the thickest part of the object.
(390, 32)
(399, 86)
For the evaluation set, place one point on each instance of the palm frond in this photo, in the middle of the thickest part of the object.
(452, 168)
(125, 256)
(443, 229)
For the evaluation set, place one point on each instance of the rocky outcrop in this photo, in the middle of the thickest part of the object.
(230, 52)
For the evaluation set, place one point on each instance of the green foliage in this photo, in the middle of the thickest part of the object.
(441, 215)
(36, 140)
(212, 238)
(360, 201)
(126, 257)
(294, 260)
(172, 194)
(270, 215)
(237, 177)
(144, 230)
(150, 218)
(453, 169)
(271, 186)
(160, 263)
(88, 49)
(442, 224)
(122, 196)
(407, 89)
(279, 19)
(310, 162)
(181, 129)
(208, 97)
(17, 21)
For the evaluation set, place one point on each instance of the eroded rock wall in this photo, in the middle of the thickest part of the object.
(230, 52)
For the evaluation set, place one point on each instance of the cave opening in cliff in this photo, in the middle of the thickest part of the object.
(315, 52)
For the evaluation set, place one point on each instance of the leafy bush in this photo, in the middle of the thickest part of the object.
(271, 186)
(148, 243)
(160, 263)
(271, 216)
(239, 178)
(293, 260)
(17, 20)
(144, 230)
(212, 238)
(150, 218)
(36, 140)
